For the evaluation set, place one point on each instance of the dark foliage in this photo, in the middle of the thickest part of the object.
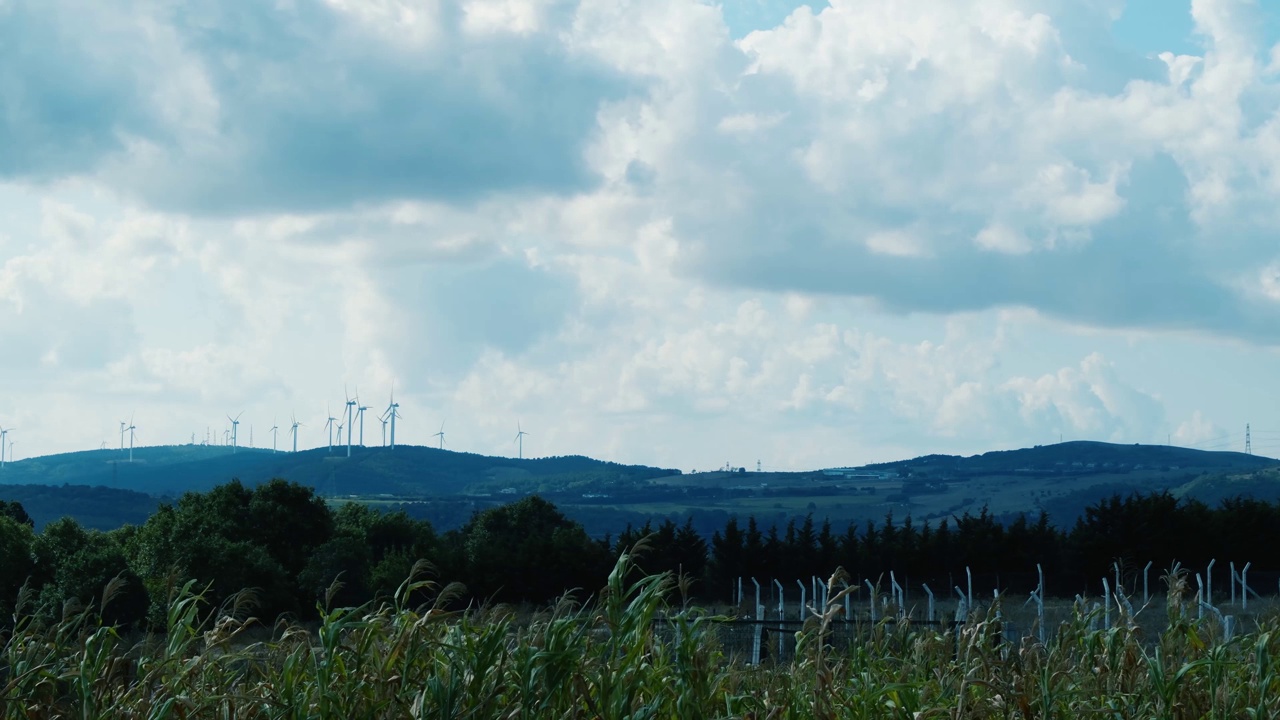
(283, 541)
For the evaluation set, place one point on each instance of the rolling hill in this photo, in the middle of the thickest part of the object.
(447, 487)
(405, 471)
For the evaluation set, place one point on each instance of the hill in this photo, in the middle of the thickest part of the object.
(97, 508)
(1069, 457)
(446, 487)
(1060, 479)
(405, 471)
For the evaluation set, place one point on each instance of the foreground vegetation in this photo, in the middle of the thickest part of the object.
(635, 651)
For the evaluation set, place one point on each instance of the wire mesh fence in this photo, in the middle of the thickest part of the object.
(768, 631)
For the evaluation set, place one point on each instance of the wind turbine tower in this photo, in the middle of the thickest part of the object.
(4, 433)
(131, 430)
(275, 429)
(390, 415)
(235, 427)
(351, 405)
(122, 429)
(360, 413)
(328, 425)
(440, 435)
(520, 433)
(294, 429)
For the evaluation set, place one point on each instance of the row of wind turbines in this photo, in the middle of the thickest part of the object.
(355, 414)
(355, 411)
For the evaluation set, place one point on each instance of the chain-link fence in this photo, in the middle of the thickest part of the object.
(751, 639)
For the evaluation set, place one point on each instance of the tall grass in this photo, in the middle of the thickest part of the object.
(631, 652)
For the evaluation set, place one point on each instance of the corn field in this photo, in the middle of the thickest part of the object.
(635, 651)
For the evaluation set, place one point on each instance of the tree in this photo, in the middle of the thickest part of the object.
(76, 565)
(726, 563)
(16, 562)
(231, 539)
(529, 551)
(370, 552)
(13, 510)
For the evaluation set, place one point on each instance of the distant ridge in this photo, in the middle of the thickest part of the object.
(446, 487)
(407, 470)
(1060, 455)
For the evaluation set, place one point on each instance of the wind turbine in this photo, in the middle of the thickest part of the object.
(4, 433)
(122, 428)
(131, 430)
(328, 425)
(235, 428)
(440, 435)
(383, 420)
(351, 404)
(392, 412)
(294, 429)
(274, 430)
(360, 413)
(520, 433)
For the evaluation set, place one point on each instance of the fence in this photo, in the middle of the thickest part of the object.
(766, 622)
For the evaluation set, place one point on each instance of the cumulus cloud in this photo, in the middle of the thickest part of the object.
(628, 223)
(1198, 430)
(904, 141)
(261, 107)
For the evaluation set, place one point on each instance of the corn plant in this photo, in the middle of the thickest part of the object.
(636, 650)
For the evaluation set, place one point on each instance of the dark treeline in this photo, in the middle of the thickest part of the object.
(284, 541)
(1130, 532)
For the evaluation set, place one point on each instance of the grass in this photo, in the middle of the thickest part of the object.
(635, 651)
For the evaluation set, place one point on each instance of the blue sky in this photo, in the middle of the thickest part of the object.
(673, 232)
(1146, 27)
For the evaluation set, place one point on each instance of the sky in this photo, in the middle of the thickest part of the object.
(670, 232)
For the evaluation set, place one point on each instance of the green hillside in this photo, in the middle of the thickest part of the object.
(446, 487)
(97, 508)
(1070, 457)
(405, 471)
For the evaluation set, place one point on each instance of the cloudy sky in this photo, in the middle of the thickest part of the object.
(671, 232)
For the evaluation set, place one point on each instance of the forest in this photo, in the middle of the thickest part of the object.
(285, 542)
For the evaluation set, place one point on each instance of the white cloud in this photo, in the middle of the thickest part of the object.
(612, 222)
(1197, 430)
(1000, 237)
